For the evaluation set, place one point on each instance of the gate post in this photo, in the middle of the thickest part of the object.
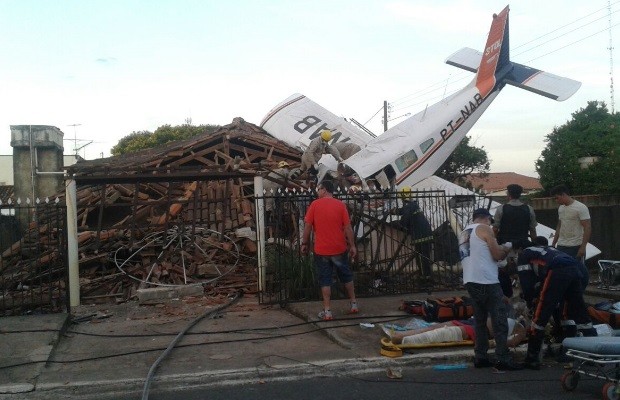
(260, 230)
(72, 244)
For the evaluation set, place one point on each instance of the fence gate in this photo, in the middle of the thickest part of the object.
(406, 243)
(33, 268)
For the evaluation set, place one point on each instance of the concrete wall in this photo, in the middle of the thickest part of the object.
(36, 148)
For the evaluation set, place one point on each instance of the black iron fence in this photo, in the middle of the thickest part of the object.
(33, 272)
(406, 242)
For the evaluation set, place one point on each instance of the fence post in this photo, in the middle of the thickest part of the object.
(72, 244)
(260, 230)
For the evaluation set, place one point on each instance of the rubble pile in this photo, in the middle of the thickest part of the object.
(178, 214)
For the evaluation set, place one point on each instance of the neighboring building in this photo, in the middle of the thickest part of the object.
(494, 184)
(6, 167)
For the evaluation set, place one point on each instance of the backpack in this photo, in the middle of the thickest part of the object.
(440, 309)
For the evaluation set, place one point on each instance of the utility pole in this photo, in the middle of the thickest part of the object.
(385, 115)
(611, 60)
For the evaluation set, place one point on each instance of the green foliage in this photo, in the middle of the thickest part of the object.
(463, 161)
(593, 132)
(136, 141)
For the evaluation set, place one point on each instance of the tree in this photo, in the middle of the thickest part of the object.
(145, 140)
(464, 160)
(593, 132)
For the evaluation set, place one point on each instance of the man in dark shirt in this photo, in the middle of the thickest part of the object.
(513, 221)
(417, 226)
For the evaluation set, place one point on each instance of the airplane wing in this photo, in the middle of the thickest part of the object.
(297, 120)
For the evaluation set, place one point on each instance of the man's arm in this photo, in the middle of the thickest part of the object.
(587, 231)
(348, 233)
(533, 223)
(498, 219)
(486, 233)
(556, 235)
(306, 237)
(334, 152)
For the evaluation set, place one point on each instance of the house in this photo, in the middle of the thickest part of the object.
(494, 184)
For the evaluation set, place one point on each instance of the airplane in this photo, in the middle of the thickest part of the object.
(409, 153)
(415, 148)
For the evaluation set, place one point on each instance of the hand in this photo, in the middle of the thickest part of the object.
(304, 248)
(352, 252)
(581, 252)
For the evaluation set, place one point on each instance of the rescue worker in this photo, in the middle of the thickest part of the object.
(554, 276)
(346, 149)
(417, 226)
(317, 147)
(271, 187)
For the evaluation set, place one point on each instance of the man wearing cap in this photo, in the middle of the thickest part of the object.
(479, 253)
(317, 147)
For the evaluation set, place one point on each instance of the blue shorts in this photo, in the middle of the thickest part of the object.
(326, 264)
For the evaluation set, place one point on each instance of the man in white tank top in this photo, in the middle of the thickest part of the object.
(479, 253)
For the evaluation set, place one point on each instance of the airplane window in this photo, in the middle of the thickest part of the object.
(427, 145)
(406, 160)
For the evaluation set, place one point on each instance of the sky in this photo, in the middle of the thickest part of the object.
(100, 70)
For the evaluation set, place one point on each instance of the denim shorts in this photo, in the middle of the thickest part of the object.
(325, 266)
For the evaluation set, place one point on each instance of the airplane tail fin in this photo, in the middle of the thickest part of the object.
(494, 66)
(496, 56)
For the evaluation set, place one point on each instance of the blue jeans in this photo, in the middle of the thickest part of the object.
(488, 301)
(326, 264)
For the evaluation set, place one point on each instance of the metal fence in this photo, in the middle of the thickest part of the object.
(394, 257)
(33, 272)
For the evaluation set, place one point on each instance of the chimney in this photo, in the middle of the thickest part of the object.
(37, 151)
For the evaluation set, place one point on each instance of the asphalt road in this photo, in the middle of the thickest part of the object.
(420, 384)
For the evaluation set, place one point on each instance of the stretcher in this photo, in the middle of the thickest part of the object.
(393, 350)
(597, 357)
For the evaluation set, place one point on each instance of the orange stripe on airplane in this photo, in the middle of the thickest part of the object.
(485, 81)
(413, 167)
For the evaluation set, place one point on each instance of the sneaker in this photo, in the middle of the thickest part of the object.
(354, 309)
(326, 315)
(508, 366)
(482, 363)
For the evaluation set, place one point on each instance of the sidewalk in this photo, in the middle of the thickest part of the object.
(114, 346)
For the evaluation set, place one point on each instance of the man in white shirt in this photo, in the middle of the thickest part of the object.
(479, 253)
(574, 228)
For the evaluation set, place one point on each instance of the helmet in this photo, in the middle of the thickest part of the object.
(326, 135)
(282, 164)
(405, 192)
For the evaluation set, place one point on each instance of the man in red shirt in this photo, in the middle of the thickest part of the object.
(329, 219)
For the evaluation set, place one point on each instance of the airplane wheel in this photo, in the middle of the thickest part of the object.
(610, 391)
(569, 381)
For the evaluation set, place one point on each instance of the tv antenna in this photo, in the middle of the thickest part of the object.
(77, 149)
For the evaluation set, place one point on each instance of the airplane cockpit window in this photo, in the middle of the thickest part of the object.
(407, 159)
(426, 145)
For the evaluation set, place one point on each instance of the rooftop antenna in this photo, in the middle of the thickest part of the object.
(611, 60)
(75, 146)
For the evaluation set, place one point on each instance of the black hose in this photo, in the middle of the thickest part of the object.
(149, 377)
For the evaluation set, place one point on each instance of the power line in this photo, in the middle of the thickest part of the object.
(405, 102)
